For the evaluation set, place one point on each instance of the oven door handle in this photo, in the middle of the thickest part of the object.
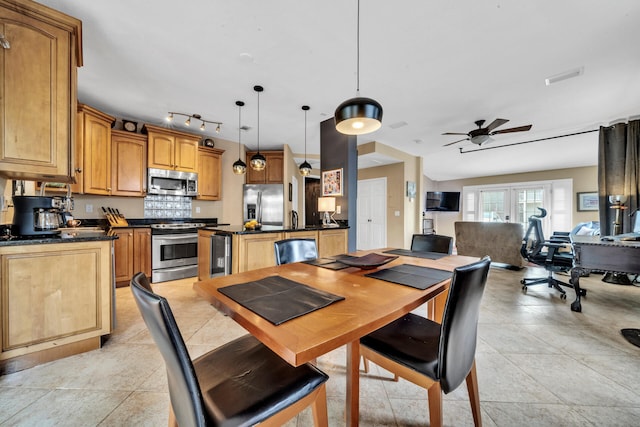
(188, 237)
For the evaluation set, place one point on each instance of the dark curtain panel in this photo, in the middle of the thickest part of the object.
(618, 172)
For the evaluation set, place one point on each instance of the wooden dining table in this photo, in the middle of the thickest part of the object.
(368, 304)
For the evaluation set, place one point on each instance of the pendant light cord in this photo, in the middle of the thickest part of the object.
(258, 122)
(305, 135)
(358, 52)
(239, 128)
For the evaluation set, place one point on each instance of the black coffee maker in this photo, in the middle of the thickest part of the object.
(36, 216)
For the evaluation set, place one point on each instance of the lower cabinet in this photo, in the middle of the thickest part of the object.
(253, 251)
(56, 301)
(132, 253)
(332, 242)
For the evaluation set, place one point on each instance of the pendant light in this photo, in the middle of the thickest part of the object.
(359, 115)
(239, 167)
(305, 167)
(258, 162)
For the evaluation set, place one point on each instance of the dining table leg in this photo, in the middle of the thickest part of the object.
(352, 410)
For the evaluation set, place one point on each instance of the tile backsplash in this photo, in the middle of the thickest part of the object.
(165, 206)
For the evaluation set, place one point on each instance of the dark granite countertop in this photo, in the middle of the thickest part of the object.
(239, 229)
(65, 237)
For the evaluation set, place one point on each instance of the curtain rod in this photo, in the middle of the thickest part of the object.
(526, 142)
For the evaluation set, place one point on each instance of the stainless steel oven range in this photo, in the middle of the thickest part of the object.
(174, 251)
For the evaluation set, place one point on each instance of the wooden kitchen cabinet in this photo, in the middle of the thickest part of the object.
(128, 164)
(93, 152)
(170, 149)
(272, 174)
(142, 251)
(56, 301)
(209, 173)
(332, 242)
(123, 255)
(252, 251)
(132, 253)
(38, 91)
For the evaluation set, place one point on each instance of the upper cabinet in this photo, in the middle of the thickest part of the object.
(93, 152)
(272, 174)
(128, 164)
(38, 59)
(170, 149)
(209, 173)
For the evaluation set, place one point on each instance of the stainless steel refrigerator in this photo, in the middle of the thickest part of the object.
(264, 202)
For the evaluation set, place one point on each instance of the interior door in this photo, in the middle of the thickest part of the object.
(372, 211)
(311, 194)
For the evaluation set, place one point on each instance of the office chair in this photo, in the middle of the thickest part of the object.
(546, 253)
(238, 384)
(432, 243)
(437, 356)
(294, 250)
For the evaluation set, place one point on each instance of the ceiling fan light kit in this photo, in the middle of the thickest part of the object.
(359, 115)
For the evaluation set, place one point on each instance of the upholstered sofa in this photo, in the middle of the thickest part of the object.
(501, 241)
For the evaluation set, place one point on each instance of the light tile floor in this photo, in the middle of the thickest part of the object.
(539, 364)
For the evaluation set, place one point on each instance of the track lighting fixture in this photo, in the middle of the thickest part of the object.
(239, 167)
(194, 116)
(305, 167)
(258, 161)
(359, 115)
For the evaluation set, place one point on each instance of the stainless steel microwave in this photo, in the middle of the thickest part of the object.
(177, 183)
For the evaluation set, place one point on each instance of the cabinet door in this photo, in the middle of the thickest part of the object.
(142, 251)
(275, 165)
(332, 242)
(209, 174)
(37, 99)
(257, 251)
(123, 256)
(204, 254)
(186, 154)
(96, 142)
(128, 164)
(161, 149)
(254, 176)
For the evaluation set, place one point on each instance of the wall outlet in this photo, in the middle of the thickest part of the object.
(397, 213)
(338, 209)
(88, 208)
(2, 205)
(197, 209)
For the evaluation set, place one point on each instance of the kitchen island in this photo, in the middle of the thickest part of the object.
(252, 249)
(56, 297)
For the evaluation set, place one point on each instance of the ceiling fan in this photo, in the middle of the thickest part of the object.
(481, 135)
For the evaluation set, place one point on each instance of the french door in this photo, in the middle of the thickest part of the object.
(372, 210)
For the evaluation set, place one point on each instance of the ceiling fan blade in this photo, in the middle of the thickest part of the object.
(510, 130)
(455, 142)
(497, 122)
(454, 133)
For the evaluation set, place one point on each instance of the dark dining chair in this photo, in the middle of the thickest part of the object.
(241, 383)
(432, 243)
(437, 356)
(295, 250)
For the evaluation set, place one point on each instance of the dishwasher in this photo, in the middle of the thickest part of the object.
(220, 262)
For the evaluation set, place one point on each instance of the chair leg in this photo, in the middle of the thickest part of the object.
(172, 417)
(435, 405)
(474, 396)
(365, 363)
(319, 408)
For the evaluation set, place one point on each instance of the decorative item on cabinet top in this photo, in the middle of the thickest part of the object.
(207, 142)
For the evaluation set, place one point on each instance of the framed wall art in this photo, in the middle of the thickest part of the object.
(332, 182)
(588, 201)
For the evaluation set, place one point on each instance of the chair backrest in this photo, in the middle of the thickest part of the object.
(533, 240)
(184, 390)
(294, 250)
(460, 323)
(432, 243)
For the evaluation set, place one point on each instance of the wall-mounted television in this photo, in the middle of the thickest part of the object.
(443, 201)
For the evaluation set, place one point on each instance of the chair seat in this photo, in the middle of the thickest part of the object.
(411, 340)
(561, 260)
(238, 390)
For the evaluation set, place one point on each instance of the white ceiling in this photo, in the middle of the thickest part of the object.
(436, 66)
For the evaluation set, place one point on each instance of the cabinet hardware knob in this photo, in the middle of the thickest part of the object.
(78, 170)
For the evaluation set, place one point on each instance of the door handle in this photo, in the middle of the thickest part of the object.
(4, 42)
